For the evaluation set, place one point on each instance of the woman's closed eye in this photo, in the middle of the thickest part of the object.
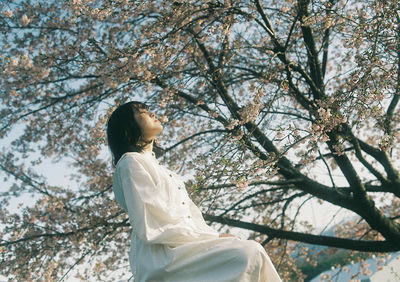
(151, 114)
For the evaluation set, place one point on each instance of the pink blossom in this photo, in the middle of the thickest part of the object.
(324, 114)
(232, 124)
(14, 62)
(8, 13)
(44, 73)
(25, 61)
(25, 20)
(241, 185)
(164, 118)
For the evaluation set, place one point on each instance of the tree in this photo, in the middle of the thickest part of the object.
(262, 97)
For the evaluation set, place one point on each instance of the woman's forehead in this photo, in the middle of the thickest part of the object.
(141, 107)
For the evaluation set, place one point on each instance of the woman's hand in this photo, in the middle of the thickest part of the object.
(227, 235)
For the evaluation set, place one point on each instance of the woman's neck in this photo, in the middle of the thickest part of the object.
(149, 147)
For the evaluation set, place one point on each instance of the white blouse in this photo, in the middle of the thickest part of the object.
(169, 230)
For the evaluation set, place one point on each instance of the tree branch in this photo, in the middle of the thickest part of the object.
(325, 42)
(364, 246)
(312, 53)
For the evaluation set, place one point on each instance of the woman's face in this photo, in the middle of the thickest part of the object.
(148, 122)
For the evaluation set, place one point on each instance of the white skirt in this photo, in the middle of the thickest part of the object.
(215, 260)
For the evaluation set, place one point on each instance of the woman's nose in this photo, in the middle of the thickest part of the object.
(152, 115)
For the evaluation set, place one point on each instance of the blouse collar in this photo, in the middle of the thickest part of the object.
(149, 153)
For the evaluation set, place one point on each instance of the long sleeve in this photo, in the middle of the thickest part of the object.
(149, 207)
(198, 218)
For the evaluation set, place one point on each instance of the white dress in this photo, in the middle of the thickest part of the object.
(170, 239)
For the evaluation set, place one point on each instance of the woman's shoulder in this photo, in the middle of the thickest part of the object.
(139, 162)
(129, 157)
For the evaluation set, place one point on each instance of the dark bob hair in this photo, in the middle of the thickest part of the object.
(124, 133)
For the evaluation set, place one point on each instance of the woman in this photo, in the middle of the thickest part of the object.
(170, 239)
